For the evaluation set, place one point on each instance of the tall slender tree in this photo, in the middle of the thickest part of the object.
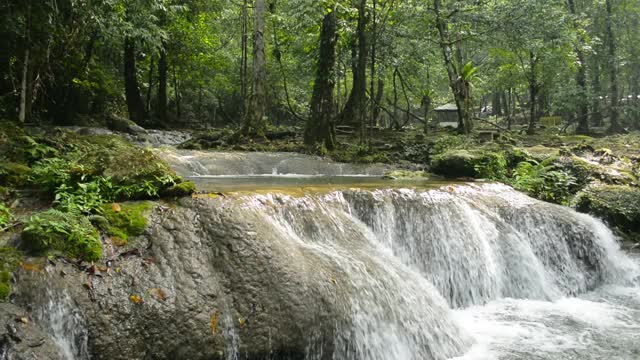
(320, 127)
(255, 123)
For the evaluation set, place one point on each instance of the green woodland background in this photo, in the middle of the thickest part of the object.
(192, 63)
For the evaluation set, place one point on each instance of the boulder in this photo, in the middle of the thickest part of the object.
(456, 164)
(617, 205)
(117, 123)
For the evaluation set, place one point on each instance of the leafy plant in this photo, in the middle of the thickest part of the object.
(69, 233)
(450, 142)
(49, 174)
(5, 216)
(543, 182)
(84, 198)
(36, 150)
(492, 166)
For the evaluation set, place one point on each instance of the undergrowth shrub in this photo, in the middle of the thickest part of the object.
(70, 234)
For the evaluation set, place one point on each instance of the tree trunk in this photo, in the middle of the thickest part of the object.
(533, 94)
(354, 112)
(150, 88)
(464, 116)
(26, 92)
(379, 95)
(244, 56)
(614, 126)
(497, 103)
(320, 125)
(581, 80)
(162, 85)
(255, 123)
(395, 124)
(176, 91)
(132, 91)
(596, 86)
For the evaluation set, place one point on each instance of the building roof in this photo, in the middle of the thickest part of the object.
(447, 107)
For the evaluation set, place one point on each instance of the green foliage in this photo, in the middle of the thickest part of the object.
(49, 174)
(618, 205)
(9, 260)
(452, 142)
(5, 216)
(36, 150)
(491, 165)
(543, 183)
(70, 234)
(14, 174)
(128, 221)
(185, 188)
(456, 163)
(358, 153)
(84, 198)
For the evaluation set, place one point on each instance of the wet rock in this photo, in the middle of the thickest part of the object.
(22, 339)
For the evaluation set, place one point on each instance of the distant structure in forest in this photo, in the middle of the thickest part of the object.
(446, 115)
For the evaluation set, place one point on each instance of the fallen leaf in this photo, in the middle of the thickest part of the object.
(136, 299)
(214, 322)
(334, 280)
(116, 207)
(23, 319)
(88, 285)
(93, 270)
(158, 293)
(242, 322)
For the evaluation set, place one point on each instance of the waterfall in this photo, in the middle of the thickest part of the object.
(406, 258)
(65, 324)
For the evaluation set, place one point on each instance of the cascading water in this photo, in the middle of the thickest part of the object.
(487, 250)
(463, 272)
(65, 324)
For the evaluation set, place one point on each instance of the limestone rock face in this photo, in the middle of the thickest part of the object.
(195, 290)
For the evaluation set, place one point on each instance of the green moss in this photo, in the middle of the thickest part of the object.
(456, 163)
(67, 233)
(618, 205)
(5, 291)
(182, 189)
(14, 174)
(129, 221)
(9, 259)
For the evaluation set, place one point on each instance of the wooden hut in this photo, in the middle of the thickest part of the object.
(446, 115)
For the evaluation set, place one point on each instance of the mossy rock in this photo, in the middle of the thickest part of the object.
(541, 153)
(127, 219)
(70, 234)
(9, 259)
(456, 163)
(185, 188)
(587, 172)
(136, 173)
(14, 174)
(117, 123)
(617, 205)
(5, 291)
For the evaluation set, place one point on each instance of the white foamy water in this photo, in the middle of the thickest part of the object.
(467, 272)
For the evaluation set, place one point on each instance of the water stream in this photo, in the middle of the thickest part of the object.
(422, 270)
(460, 272)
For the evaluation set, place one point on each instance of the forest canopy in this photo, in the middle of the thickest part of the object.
(362, 64)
